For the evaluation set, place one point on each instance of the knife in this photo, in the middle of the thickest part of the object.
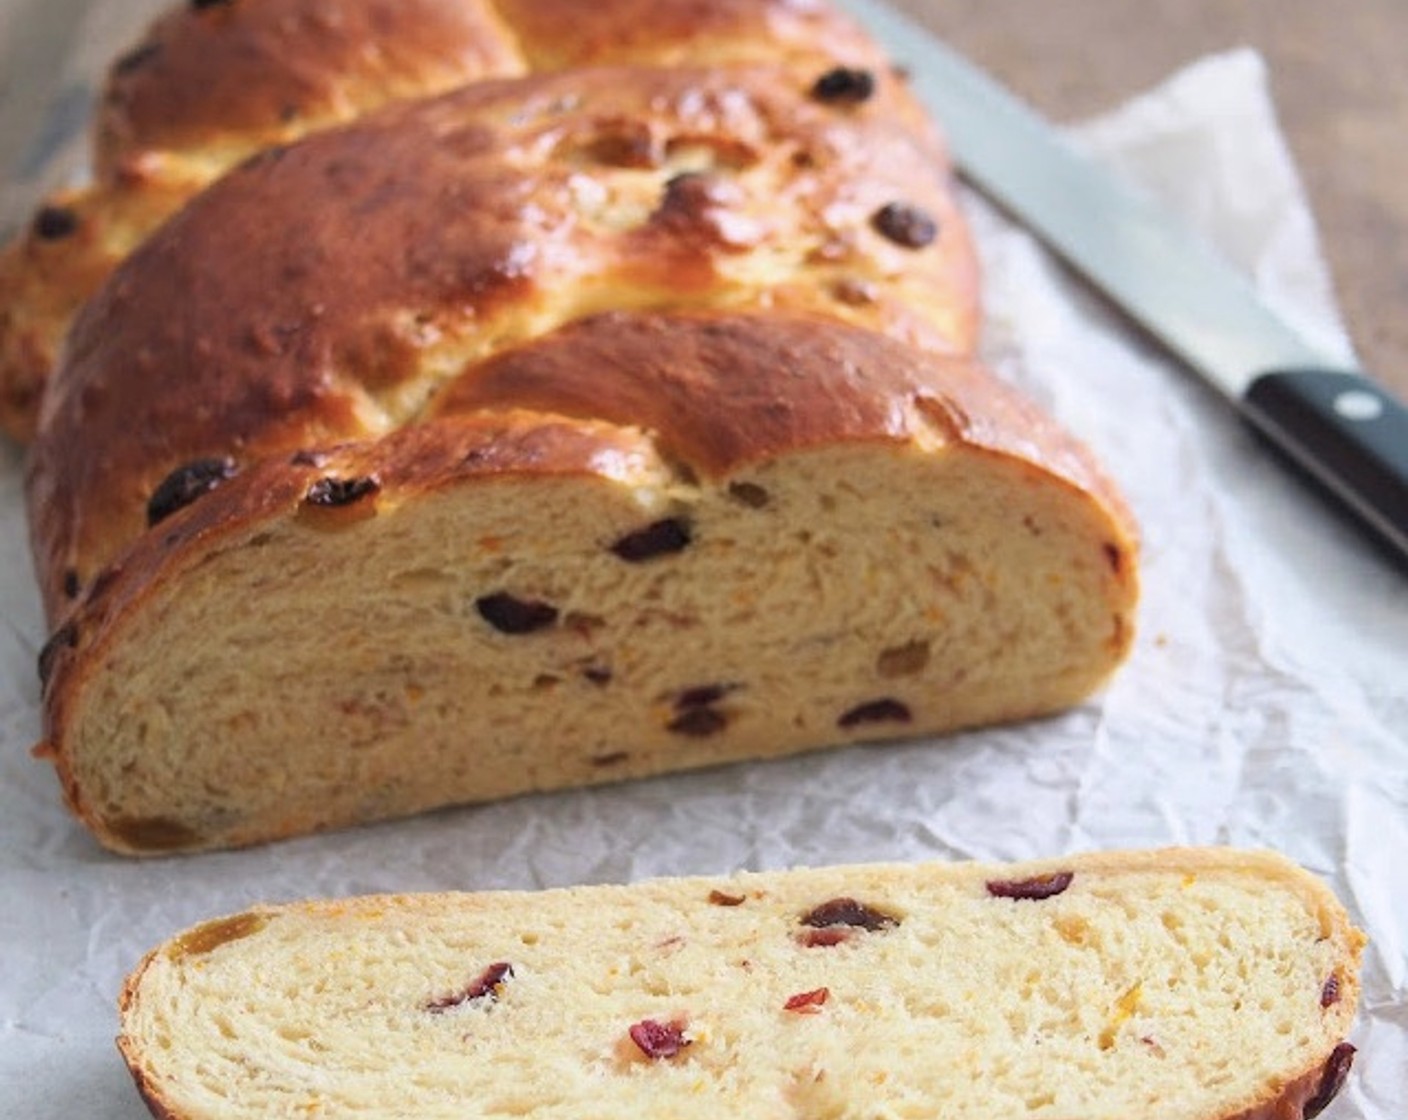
(1344, 430)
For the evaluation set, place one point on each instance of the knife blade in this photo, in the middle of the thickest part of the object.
(1346, 431)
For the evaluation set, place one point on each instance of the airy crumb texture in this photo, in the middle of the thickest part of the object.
(1171, 985)
(482, 606)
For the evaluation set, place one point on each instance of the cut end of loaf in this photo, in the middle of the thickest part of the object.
(512, 604)
(1182, 985)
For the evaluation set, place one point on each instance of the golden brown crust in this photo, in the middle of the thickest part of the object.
(259, 72)
(351, 261)
(208, 86)
(205, 87)
(38, 275)
(724, 391)
(65, 253)
(131, 1052)
(253, 73)
(557, 34)
(1293, 1102)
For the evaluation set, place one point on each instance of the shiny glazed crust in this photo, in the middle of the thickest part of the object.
(211, 84)
(1090, 1006)
(556, 429)
(368, 264)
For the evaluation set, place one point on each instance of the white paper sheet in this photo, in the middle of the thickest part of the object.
(1266, 703)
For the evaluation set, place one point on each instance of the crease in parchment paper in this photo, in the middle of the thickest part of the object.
(1264, 704)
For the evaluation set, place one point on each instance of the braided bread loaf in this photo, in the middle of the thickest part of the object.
(552, 430)
(1173, 985)
(212, 83)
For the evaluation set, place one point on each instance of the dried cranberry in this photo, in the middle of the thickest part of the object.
(807, 1002)
(849, 912)
(699, 723)
(583, 624)
(331, 493)
(903, 661)
(625, 146)
(53, 223)
(1331, 1080)
(597, 674)
(658, 539)
(905, 225)
(486, 986)
(701, 696)
(658, 1040)
(825, 938)
(845, 85)
(1036, 888)
(1330, 993)
(719, 898)
(855, 293)
(185, 484)
(65, 637)
(749, 494)
(688, 195)
(887, 710)
(510, 615)
(490, 979)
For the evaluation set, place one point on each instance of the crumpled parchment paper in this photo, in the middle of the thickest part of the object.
(1266, 703)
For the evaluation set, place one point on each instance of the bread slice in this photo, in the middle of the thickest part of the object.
(1164, 985)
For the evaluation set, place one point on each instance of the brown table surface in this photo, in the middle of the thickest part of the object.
(1341, 88)
(1337, 75)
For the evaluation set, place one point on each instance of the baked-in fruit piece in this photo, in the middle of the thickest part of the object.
(554, 430)
(212, 83)
(1164, 985)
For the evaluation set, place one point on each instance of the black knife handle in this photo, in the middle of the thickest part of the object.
(1348, 433)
